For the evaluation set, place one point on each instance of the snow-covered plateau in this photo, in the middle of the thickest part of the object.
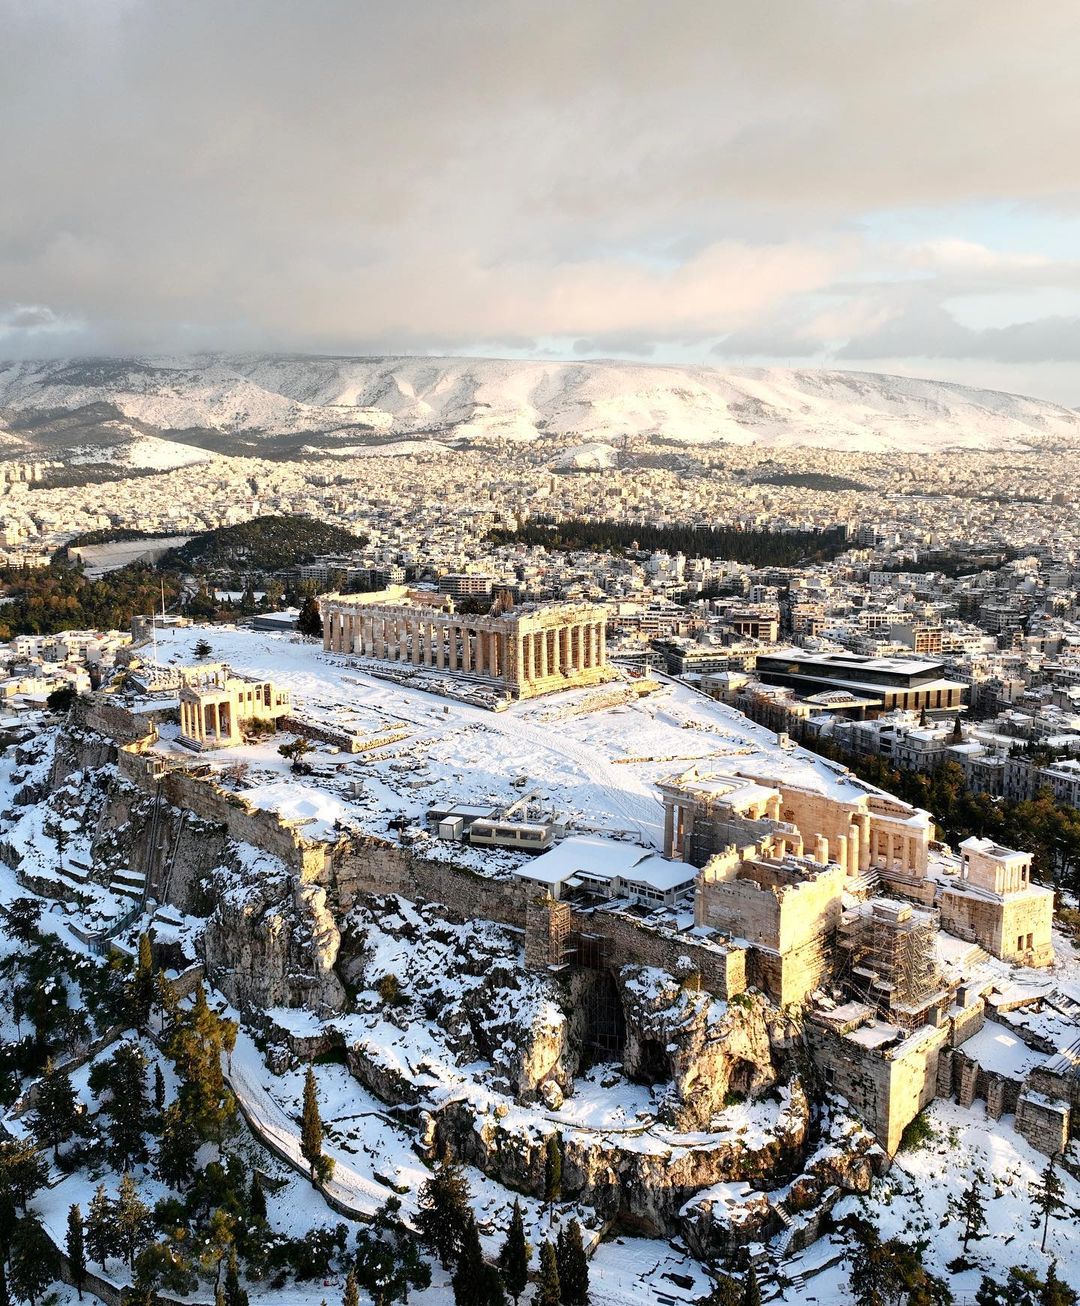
(259, 399)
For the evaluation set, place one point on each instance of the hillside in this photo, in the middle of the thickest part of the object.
(262, 544)
(121, 410)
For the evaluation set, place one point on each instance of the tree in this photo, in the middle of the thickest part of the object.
(552, 1171)
(388, 1263)
(33, 1263)
(177, 1148)
(101, 1230)
(256, 1198)
(970, 1210)
(120, 1083)
(751, 1294)
(1055, 1291)
(351, 1295)
(548, 1292)
(61, 699)
(142, 984)
(235, 1294)
(309, 622)
(159, 1089)
(444, 1211)
(22, 1170)
(727, 1291)
(573, 1266)
(132, 1218)
(1047, 1197)
(56, 1109)
(311, 1131)
(514, 1256)
(475, 1282)
(195, 1045)
(202, 649)
(874, 1278)
(75, 1247)
(296, 750)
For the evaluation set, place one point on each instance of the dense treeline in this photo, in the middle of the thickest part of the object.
(264, 544)
(826, 481)
(758, 548)
(45, 600)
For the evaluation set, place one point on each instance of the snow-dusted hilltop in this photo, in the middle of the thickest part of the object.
(258, 398)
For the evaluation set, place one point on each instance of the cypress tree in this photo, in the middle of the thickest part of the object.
(257, 1198)
(514, 1256)
(466, 1280)
(133, 1219)
(159, 1089)
(142, 984)
(552, 1171)
(548, 1292)
(309, 622)
(235, 1295)
(33, 1263)
(751, 1291)
(351, 1296)
(311, 1132)
(573, 1266)
(75, 1247)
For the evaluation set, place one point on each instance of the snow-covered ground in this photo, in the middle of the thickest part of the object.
(599, 768)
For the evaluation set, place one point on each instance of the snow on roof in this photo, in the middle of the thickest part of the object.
(1004, 1053)
(584, 854)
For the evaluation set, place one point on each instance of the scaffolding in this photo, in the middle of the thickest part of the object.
(892, 958)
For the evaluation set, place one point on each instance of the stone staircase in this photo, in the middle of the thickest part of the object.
(128, 884)
(868, 882)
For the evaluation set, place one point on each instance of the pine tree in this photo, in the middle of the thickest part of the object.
(573, 1266)
(195, 1045)
(351, 1296)
(56, 1109)
(235, 1294)
(1055, 1291)
(970, 1210)
(101, 1226)
(133, 1219)
(120, 1084)
(514, 1256)
(444, 1211)
(727, 1291)
(75, 1247)
(23, 1170)
(470, 1264)
(159, 1089)
(751, 1291)
(548, 1292)
(552, 1171)
(1046, 1197)
(33, 1263)
(388, 1262)
(311, 1132)
(5, 1299)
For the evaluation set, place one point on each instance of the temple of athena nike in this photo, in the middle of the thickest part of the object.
(524, 651)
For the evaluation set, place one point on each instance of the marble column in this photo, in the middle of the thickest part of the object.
(526, 642)
(543, 638)
(466, 649)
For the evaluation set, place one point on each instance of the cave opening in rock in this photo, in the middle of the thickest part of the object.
(605, 1020)
(652, 1066)
(743, 1075)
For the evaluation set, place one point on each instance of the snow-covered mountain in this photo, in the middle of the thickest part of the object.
(249, 403)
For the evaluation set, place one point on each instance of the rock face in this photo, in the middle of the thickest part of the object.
(270, 940)
(708, 1049)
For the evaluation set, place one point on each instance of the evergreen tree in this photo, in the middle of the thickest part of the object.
(56, 1109)
(22, 1170)
(195, 1046)
(235, 1294)
(475, 1282)
(573, 1266)
(5, 1299)
(311, 1131)
(256, 1198)
(177, 1148)
(387, 1262)
(351, 1295)
(552, 1170)
(75, 1247)
(751, 1295)
(1021, 1288)
(444, 1211)
(548, 1292)
(309, 622)
(727, 1291)
(120, 1084)
(970, 1210)
(1055, 1291)
(33, 1263)
(133, 1220)
(514, 1256)
(1046, 1196)
(159, 1089)
(142, 984)
(101, 1231)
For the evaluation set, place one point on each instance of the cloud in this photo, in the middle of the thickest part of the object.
(609, 177)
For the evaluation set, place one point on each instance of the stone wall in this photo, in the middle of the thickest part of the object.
(886, 1089)
(997, 924)
(1043, 1123)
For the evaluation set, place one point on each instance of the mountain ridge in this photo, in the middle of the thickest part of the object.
(273, 403)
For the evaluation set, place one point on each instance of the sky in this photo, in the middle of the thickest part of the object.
(891, 185)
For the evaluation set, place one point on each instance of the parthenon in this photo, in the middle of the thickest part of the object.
(525, 651)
